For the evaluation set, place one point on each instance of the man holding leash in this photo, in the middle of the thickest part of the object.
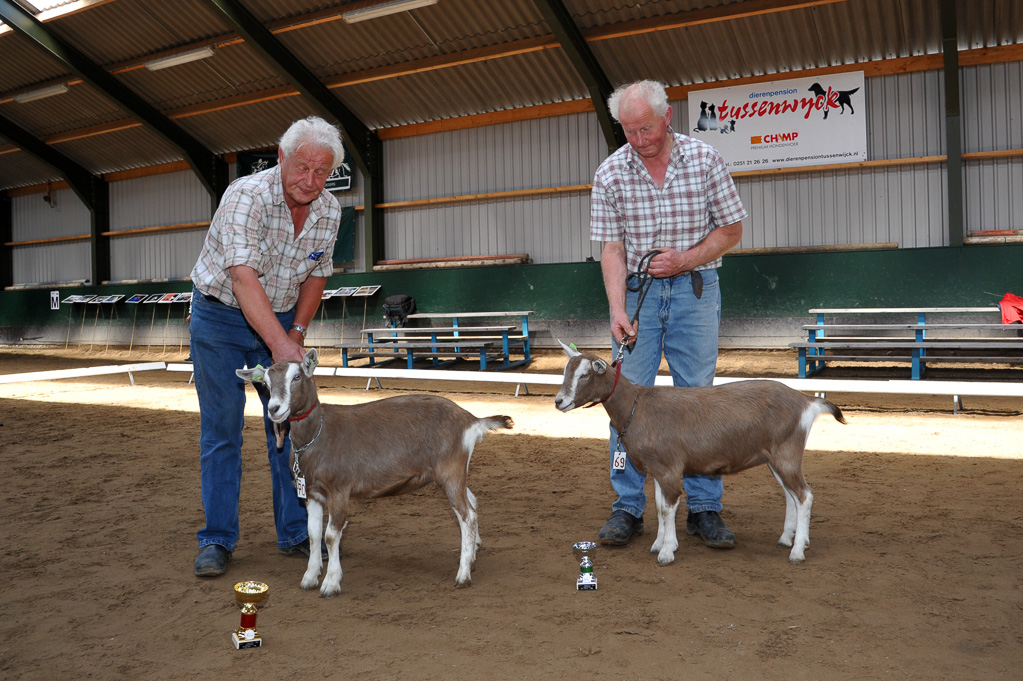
(671, 194)
(258, 281)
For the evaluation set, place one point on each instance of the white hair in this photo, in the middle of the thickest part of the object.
(650, 91)
(315, 132)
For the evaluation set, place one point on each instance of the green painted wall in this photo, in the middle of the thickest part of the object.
(784, 285)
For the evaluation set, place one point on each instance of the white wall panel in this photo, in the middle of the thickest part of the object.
(52, 263)
(992, 106)
(534, 154)
(35, 218)
(993, 194)
(168, 199)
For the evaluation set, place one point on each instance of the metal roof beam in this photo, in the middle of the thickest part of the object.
(212, 171)
(585, 64)
(364, 144)
(78, 178)
(358, 137)
(92, 190)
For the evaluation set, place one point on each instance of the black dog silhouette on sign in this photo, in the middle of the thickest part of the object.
(843, 97)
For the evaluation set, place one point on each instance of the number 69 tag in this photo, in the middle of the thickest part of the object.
(618, 460)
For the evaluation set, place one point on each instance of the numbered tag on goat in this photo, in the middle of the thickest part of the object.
(618, 461)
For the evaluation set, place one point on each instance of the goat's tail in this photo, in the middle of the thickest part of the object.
(495, 422)
(832, 408)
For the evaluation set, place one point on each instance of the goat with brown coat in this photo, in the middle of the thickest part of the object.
(672, 431)
(381, 448)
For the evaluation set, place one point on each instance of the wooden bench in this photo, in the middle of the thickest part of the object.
(492, 344)
(918, 343)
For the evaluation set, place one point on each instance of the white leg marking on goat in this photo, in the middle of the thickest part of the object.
(475, 529)
(667, 538)
(315, 527)
(332, 580)
(466, 557)
(791, 504)
(802, 540)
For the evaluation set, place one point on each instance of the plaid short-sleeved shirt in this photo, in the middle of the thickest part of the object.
(698, 195)
(253, 227)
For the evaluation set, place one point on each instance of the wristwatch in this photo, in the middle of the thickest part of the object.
(300, 329)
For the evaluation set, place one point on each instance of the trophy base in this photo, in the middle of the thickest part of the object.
(586, 582)
(244, 642)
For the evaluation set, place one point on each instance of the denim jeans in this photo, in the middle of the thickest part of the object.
(222, 341)
(672, 321)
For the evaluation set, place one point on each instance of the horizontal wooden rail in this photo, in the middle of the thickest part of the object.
(159, 228)
(51, 240)
(123, 232)
(488, 196)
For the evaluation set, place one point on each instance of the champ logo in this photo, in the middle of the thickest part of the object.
(774, 138)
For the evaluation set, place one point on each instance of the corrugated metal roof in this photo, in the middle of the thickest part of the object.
(119, 35)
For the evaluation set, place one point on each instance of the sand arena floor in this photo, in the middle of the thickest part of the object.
(913, 572)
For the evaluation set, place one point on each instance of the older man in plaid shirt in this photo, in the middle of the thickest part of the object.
(670, 193)
(258, 281)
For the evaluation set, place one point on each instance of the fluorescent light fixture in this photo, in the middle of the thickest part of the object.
(385, 8)
(179, 58)
(41, 93)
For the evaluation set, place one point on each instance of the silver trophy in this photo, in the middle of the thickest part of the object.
(587, 581)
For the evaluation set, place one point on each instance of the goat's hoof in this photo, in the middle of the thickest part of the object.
(309, 584)
(464, 584)
(328, 591)
(796, 560)
(668, 559)
(785, 543)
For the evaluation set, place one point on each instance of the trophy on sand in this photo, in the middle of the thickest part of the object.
(587, 581)
(248, 595)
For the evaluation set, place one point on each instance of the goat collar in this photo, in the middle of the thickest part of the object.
(618, 374)
(308, 411)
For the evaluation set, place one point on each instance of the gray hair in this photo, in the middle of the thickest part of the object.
(650, 91)
(315, 132)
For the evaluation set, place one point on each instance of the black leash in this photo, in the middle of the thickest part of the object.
(640, 280)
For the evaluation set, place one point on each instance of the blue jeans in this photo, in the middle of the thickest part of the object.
(672, 321)
(222, 341)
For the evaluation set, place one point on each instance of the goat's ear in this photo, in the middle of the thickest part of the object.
(310, 361)
(255, 375)
(599, 365)
(569, 350)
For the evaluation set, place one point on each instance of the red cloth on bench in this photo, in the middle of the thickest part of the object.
(1012, 309)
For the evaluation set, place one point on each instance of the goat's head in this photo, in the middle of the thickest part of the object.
(584, 382)
(289, 383)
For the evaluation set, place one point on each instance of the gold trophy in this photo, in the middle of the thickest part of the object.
(248, 595)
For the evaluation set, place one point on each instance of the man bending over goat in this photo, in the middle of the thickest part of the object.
(390, 446)
(714, 430)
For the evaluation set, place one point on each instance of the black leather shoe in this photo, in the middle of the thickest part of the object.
(212, 561)
(711, 529)
(303, 548)
(619, 528)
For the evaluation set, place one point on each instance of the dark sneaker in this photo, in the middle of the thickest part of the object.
(711, 529)
(303, 548)
(619, 528)
(212, 561)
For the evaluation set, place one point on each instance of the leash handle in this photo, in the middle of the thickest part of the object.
(621, 350)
